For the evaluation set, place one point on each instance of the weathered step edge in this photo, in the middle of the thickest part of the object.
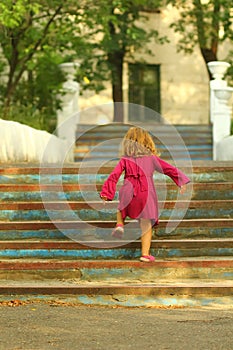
(82, 245)
(72, 187)
(20, 264)
(77, 205)
(144, 290)
(74, 168)
(41, 225)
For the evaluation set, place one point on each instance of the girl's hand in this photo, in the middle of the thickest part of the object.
(183, 189)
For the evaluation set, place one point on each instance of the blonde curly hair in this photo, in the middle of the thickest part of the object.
(138, 142)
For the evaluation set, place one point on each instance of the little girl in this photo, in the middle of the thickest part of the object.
(137, 196)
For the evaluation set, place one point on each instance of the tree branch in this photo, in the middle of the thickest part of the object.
(26, 58)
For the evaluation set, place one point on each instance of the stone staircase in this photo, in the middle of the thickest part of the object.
(174, 142)
(55, 239)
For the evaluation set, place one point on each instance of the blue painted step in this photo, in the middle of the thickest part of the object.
(117, 271)
(103, 141)
(211, 217)
(96, 210)
(74, 192)
(108, 250)
(79, 258)
(81, 231)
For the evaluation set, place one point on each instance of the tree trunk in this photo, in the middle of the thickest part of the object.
(115, 60)
(208, 55)
(11, 87)
(116, 63)
(8, 97)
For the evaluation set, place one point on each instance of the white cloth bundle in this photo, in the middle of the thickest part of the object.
(21, 143)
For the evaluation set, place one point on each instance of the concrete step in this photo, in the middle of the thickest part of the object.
(158, 131)
(213, 177)
(109, 143)
(194, 138)
(97, 210)
(104, 157)
(114, 141)
(164, 283)
(85, 230)
(203, 288)
(66, 257)
(118, 271)
(112, 249)
(211, 217)
(160, 295)
(150, 126)
(77, 192)
(96, 173)
(98, 205)
(90, 154)
(170, 283)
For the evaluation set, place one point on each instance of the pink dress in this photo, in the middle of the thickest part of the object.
(137, 196)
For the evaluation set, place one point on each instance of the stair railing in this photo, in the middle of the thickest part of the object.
(68, 115)
(220, 111)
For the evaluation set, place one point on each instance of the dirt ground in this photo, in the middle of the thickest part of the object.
(44, 326)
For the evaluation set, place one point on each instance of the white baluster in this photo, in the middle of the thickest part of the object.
(220, 111)
(67, 117)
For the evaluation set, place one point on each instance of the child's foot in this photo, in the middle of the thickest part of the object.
(118, 231)
(147, 258)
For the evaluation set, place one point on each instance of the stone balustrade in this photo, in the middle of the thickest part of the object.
(220, 111)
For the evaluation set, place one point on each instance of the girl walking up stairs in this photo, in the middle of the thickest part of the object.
(56, 238)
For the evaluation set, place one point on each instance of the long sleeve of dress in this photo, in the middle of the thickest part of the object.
(109, 186)
(174, 173)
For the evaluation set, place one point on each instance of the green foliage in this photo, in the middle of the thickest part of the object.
(203, 23)
(28, 115)
(229, 74)
(35, 37)
(13, 13)
(38, 90)
(121, 28)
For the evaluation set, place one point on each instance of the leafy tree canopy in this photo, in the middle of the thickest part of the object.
(35, 36)
(205, 23)
(120, 28)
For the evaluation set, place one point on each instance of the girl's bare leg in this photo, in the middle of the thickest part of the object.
(146, 237)
(120, 221)
(119, 228)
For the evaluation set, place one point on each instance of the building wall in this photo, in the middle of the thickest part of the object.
(184, 80)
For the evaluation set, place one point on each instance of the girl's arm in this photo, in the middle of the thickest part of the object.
(109, 187)
(174, 173)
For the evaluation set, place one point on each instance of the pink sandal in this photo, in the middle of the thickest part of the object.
(147, 258)
(118, 231)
